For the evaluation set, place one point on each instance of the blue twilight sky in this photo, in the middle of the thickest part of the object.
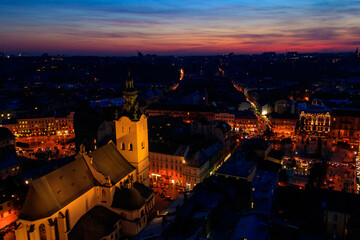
(177, 27)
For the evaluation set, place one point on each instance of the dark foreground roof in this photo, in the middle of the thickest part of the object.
(9, 159)
(143, 190)
(5, 133)
(95, 224)
(50, 193)
(127, 199)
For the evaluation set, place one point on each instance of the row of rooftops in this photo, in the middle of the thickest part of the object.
(318, 107)
(250, 155)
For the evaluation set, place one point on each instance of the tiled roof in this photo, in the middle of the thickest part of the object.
(109, 161)
(95, 224)
(50, 193)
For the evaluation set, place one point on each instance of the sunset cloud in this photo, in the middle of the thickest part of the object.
(170, 27)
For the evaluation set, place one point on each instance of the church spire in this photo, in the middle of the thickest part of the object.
(131, 106)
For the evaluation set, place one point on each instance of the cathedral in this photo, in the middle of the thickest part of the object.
(102, 194)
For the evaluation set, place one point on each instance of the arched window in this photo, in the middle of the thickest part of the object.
(42, 232)
(67, 218)
(103, 195)
(122, 146)
(57, 237)
(130, 147)
(122, 129)
(129, 129)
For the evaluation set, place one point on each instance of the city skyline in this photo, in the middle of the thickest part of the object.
(166, 27)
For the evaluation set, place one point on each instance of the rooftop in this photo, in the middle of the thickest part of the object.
(250, 226)
(188, 108)
(50, 193)
(109, 161)
(237, 167)
(351, 112)
(167, 148)
(128, 199)
(95, 224)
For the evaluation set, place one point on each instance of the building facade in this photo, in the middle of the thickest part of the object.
(283, 125)
(315, 119)
(27, 127)
(246, 123)
(345, 125)
(168, 162)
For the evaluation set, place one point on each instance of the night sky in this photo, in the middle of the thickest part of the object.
(177, 27)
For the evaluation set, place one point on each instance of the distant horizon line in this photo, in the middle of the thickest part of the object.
(20, 54)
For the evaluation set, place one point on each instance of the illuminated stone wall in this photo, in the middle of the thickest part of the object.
(132, 142)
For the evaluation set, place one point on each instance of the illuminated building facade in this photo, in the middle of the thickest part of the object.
(168, 162)
(345, 125)
(27, 127)
(184, 165)
(246, 122)
(315, 119)
(8, 211)
(283, 125)
(229, 118)
(201, 163)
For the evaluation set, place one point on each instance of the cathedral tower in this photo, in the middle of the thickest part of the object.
(132, 134)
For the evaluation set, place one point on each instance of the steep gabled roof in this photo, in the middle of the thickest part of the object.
(109, 161)
(52, 192)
